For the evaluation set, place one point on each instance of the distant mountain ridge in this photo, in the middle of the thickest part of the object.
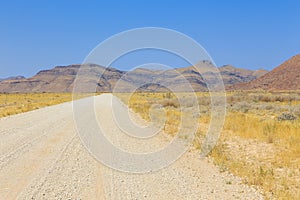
(12, 78)
(61, 79)
(233, 75)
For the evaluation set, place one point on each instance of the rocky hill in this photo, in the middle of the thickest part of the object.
(284, 77)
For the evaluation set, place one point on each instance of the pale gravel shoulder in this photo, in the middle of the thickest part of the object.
(59, 167)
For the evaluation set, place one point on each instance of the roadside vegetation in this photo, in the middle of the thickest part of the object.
(11, 104)
(260, 141)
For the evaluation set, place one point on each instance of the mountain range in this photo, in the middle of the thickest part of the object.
(108, 79)
(61, 78)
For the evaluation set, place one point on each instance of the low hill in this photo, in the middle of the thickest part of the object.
(284, 77)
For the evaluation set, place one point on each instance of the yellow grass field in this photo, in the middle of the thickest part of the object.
(11, 104)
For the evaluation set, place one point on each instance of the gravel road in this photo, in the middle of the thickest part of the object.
(42, 157)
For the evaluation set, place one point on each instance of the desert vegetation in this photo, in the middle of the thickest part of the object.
(260, 141)
(11, 104)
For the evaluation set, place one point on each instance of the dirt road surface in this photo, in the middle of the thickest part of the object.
(42, 157)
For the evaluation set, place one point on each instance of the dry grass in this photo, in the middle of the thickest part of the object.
(264, 151)
(142, 103)
(254, 144)
(11, 104)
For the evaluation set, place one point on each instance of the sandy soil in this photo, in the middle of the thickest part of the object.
(42, 157)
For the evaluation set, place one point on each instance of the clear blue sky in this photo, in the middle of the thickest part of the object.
(252, 34)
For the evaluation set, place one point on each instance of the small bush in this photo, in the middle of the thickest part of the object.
(286, 117)
(297, 110)
(205, 101)
(189, 102)
(241, 106)
(170, 103)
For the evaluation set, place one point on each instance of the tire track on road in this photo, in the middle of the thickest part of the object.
(36, 183)
(25, 147)
(73, 175)
(17, 174)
